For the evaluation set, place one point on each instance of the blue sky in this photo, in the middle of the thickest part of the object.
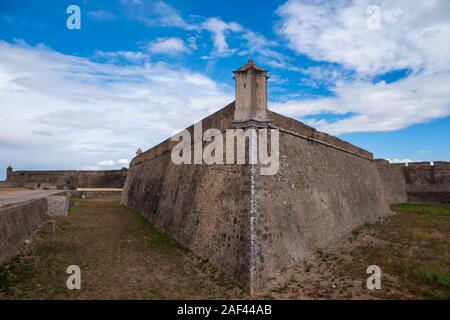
(138, 70)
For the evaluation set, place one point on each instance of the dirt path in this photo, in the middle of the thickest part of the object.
(121, 256)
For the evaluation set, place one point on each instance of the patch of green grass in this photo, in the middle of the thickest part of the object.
(323, 256)
(151, 235)
(414, 250)
(18, 270)
(40, 272)
(63, 224)
(427, 208)
(358, 230)
(436, 278)
(53, 248)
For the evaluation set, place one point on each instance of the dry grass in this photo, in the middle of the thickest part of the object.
(121, 256)
(412, 249)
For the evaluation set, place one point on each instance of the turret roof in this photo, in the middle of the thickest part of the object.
(250, 65)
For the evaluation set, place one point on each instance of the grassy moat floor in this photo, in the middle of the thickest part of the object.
(122, 256)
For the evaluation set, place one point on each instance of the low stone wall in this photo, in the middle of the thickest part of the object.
(68, 179)
(102, 194)
(17, 223)
(96, 193)
(429, 197)
(58, 205)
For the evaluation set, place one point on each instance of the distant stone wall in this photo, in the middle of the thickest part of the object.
(68, 179)
(17, 223)
(393, 179)
(416, 181)
(424, 177)
(429, 197)
(428, 183)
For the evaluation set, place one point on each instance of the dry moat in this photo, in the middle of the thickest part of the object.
(123, 256)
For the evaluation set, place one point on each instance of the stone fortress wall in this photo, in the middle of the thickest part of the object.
(416, 181)
(298, 210)
(324, 189)
(251, 226)
(67, 179)
(205, 207)
(392, 177)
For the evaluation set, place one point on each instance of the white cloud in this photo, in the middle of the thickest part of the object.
(161, 14)
(156, 13)
(123, 161)
(122, 56)
(407, 160)
(377, 107)
(413, 34)
(325, 75)
(132, 2)
(101, 15)
(258, 45)
(169, 17)
(70, 112)
(168, 46)
(219, 30)
(106, 163)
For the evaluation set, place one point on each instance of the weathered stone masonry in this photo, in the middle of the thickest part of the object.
(416, 181)
(67, 179)
(253, 227)
(18, 222)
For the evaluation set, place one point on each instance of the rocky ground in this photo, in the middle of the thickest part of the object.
(412, 248)
(122, 256)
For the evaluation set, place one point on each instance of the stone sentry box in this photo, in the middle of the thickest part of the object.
(254, 227)
(251, 96)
